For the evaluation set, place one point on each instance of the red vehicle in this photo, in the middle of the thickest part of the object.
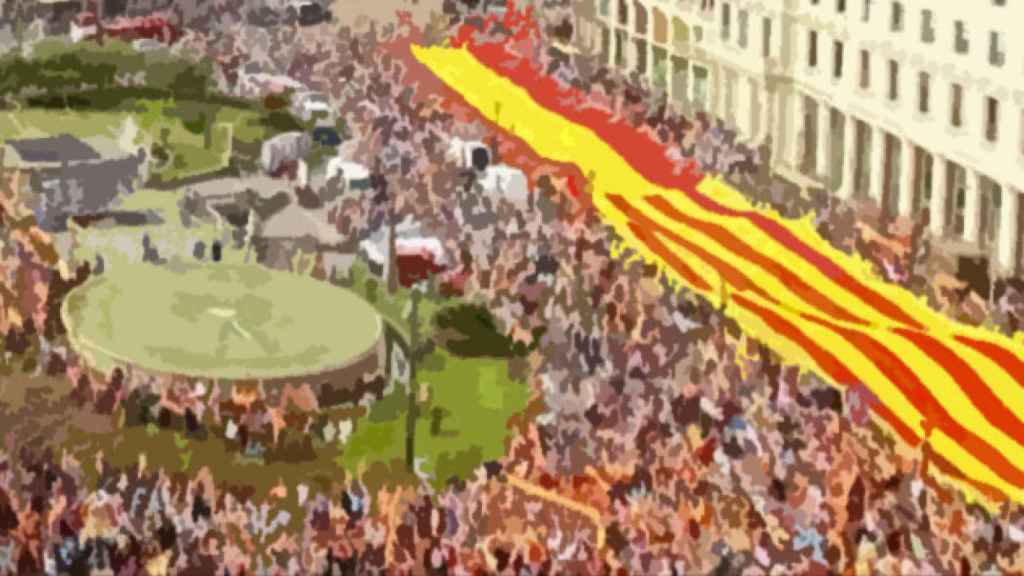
(144, 27)
(416, 265)
(152, 27)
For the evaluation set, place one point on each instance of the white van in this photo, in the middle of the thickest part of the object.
(354, 175)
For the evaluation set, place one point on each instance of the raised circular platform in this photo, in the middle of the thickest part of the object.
(219, 321)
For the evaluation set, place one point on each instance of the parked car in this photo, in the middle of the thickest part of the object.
(83, 26)
(309, 105)
(326, 136)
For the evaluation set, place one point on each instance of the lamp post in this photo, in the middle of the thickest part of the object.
(414, 389)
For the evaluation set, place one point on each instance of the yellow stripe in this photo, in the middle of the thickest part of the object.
(950, 395)
(866, 370)
(934, 377)
(972, 468)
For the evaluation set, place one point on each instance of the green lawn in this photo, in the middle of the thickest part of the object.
(157, 121)
(477, 398)
(476, 395)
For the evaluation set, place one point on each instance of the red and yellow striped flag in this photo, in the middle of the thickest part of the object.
(957, 388)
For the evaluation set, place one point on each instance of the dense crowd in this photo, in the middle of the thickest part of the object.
(686, 447)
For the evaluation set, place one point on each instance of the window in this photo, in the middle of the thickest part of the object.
(726, 21)
(960, 45)
(812, 49)
(923, 96)
(837, 60)
(996, 54)
(841, 6)
(766, 37)
(744, 18)
(865, 14)
(1022, 132)
(894, 80)
(991, 119)
(896, 24)
(604, 7)
(927, 26)
(957, 101)
(865, 69)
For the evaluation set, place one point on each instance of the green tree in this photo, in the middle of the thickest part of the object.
(197, 118)
(470, 330)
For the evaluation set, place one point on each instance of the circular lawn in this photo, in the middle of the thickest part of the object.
(218, 321)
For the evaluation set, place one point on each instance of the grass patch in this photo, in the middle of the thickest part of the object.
(186, 152)
(218, 321)
(477, 398)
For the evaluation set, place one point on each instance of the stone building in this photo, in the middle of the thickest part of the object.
(907, 105)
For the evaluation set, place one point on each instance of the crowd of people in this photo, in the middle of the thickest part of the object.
(664, 441)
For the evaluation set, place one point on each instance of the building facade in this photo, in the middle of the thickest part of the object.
(911, 105)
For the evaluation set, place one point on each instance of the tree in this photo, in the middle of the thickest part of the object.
(197, 118)
(471, 330)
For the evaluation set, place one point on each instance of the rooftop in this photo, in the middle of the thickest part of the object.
(62, 148)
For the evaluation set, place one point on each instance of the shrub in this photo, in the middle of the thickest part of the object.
(470, 330)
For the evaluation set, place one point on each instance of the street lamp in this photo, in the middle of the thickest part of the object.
(417, 291)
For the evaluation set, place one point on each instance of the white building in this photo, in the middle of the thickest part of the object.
(911, 104)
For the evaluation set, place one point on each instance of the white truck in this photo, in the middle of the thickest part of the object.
(284, 148)
(354, 176)
(469, 154)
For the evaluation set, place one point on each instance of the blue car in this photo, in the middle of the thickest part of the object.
(326, 136)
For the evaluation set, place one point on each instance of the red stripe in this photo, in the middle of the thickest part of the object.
(671, 259)
(1004, 357)
(990, 405)
(731, 242)
(836, 370)
(933, 411)
(648, 158)
(946, 467)
(735, 277)
(832, 367)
